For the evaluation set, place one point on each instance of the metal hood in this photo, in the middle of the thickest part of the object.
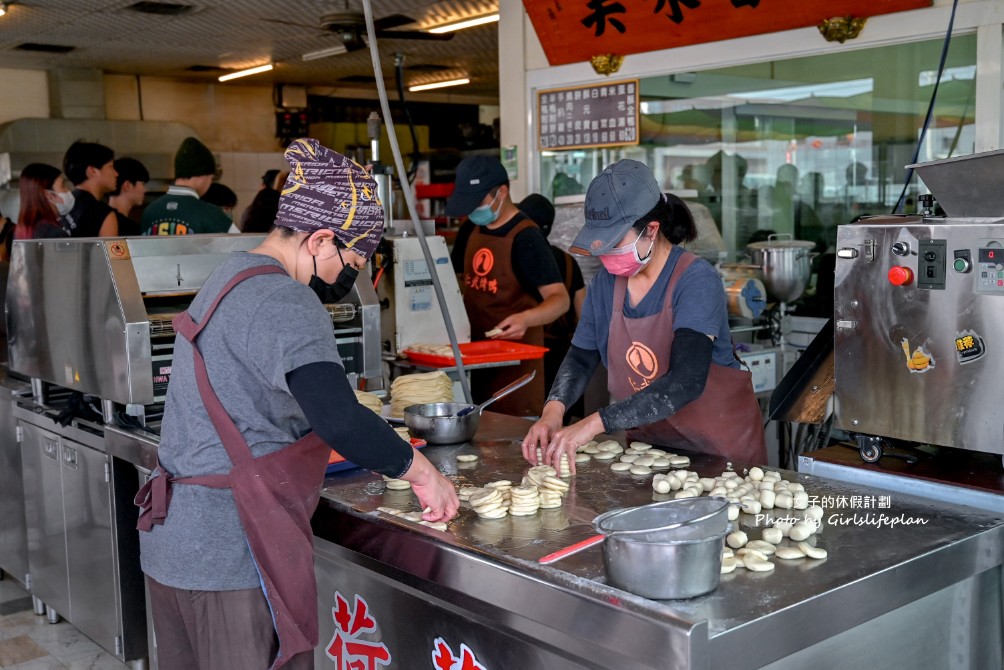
(967, 186)
(46, 140)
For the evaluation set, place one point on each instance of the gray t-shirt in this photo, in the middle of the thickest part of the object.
(266, 327)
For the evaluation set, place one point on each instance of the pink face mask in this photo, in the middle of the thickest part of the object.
(625, 261)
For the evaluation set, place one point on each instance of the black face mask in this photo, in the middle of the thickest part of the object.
(332, 293)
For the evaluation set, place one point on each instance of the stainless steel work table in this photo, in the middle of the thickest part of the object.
(911, 596)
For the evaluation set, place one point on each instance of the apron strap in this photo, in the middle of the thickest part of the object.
(231, 437)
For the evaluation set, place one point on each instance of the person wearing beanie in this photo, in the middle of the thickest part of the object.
(656, 316)
(558, 333)
(129, 193)
(511, 284)
(91, 170)
(180, 211)
(229, 569)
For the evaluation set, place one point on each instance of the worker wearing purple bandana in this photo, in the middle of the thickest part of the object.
(258, 398)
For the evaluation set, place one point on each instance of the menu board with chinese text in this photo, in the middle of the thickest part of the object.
(596, 115)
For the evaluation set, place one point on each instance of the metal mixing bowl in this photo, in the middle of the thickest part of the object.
(437, 423)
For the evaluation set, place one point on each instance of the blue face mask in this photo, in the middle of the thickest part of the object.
(485, 215)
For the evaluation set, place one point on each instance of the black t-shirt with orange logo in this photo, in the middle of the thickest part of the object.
(532, 260)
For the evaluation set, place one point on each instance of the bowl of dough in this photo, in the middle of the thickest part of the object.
(438, 423)
(665, 551)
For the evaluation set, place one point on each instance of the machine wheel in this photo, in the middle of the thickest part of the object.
(871, 453)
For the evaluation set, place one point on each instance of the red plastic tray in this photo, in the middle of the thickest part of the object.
(485, 351)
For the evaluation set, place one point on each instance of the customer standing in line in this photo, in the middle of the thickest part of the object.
(90, 168)
(45, 196)
(129, 193)
(180, 211)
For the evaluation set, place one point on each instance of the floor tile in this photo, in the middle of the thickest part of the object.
(19, 650)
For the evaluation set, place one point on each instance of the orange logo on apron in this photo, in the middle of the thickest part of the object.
(643, 362)
(484, 261)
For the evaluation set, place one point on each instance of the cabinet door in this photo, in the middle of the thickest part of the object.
(13, 532)
(43, 498)
(94, 601)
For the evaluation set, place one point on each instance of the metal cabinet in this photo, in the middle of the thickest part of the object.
(43, 505)
(71, 554)
(13, 533)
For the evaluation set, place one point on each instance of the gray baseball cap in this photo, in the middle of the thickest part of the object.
(620, 195)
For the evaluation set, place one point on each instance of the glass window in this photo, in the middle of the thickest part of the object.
(796, 146)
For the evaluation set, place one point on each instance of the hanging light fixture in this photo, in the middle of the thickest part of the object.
(439, 84)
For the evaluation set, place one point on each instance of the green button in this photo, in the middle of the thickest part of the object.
(961, 265)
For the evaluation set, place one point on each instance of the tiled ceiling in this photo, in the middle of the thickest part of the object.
(235, 34)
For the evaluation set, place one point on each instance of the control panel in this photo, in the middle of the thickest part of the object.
(990, 267)
(931, 264)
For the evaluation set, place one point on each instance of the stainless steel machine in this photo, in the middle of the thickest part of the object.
(413, 314)
(919, 314)
(95, 315)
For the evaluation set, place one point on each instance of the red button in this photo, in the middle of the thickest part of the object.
(900, 276)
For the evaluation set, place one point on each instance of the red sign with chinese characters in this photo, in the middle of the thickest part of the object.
(346, 649)
(576, 30)
(444, 658)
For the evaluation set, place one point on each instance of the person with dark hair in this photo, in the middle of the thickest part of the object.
(656, 316)
(258, 397)
(45, 196)
(180, 211)
(558, 333)
(268, 180)
(223, 197)
(90, 168)
(129, 193)
(259, 217)
(511, 284)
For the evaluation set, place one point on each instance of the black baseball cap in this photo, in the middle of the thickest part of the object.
(476, 176)
(619, 196)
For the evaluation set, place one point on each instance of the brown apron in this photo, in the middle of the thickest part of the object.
(725, 420)
(275, 494)
(492, 293)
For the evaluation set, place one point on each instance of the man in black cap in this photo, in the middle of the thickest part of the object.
(180, 211)
(512, 287)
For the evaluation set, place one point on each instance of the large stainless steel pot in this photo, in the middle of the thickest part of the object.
(666, 551)
(784, 265)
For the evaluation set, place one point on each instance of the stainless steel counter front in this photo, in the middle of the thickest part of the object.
(481, 582)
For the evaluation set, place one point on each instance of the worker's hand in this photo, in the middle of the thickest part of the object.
(433, 489)
(569, 439)
(513, 327)
(543, 430)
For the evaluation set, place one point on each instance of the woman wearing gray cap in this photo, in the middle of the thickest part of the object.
(256, 401)
(656, 316)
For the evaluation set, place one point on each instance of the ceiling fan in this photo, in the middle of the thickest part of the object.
(349, 26)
